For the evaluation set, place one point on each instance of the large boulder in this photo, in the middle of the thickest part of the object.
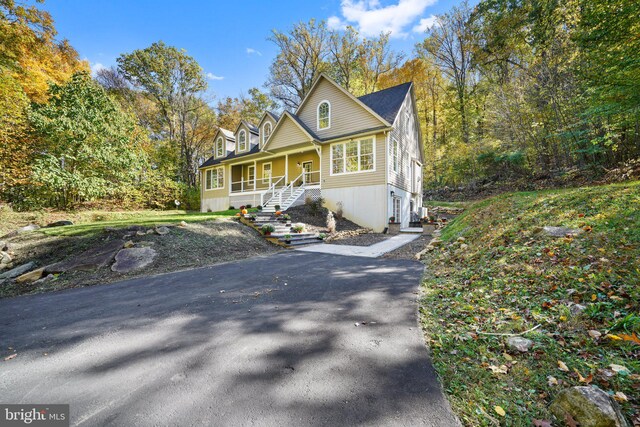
(589, 406)
(133, 259)
(18, 271)
(94, 258)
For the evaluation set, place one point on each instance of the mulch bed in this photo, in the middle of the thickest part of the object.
(307, 215)
(366, 239)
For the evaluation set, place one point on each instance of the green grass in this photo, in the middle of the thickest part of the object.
(511, 277)
(97, 221)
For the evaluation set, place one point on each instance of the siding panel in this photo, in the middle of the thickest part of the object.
(287, 134)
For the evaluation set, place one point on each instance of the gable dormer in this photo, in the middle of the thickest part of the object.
(246, 137)
(223, 143)
(266, 126)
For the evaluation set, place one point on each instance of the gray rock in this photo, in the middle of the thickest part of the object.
(18, 271)
(5, 258)
(144, 244)
(91, 259)
(162, 230)
(561, 231)
(31, 276)
(45, 279)
(133, 259)
(62, 223)
(3, 245)
(28, 228)
(520, 344)
(576, 309)
(128, 244)
(589, 406)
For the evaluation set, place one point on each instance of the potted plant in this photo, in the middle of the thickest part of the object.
(252, 217)
(285, 217)
(298, 228)
(259, 207)
(394, 227)
(287, 239)
(322, 236)
(277, 207)
(248, 206)
(267, 229)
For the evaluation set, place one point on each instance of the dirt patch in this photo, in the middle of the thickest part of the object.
(196, 245)
(305, 214)
(409, 250)
(365, 239)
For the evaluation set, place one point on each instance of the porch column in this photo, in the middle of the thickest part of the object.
(286, 169)
(255, 174)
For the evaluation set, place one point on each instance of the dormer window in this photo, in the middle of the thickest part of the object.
(324, 115)
(219, 147)
(242, 141)
(266, 132)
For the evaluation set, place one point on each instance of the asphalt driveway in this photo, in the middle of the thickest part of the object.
(265, 341)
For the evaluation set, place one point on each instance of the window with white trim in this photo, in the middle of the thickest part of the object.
(394, 155)
(324, 115)
(266, 172)
(242, 141)
(266, 132)
(353, 156)
(214, 179)
(219, 147)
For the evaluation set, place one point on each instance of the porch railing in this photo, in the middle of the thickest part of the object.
(272, 191)
(257, 184)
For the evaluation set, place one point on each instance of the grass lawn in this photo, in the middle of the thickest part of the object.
(496, 272)
(92, 222)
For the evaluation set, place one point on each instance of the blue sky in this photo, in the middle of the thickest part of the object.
(227, 38)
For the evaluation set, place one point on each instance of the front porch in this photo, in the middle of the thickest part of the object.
(279, 180)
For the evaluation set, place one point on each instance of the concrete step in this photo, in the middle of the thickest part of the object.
(294, 236)
(311, 241)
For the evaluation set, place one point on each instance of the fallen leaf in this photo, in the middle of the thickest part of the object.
(620, 397)
(582, 379)
(594, 297)
(541, 423)
(613, 337)
(499, 411)
(594, 334)
(11, 356)
(570, 421)
(633, 338)
(562, 366)
(502, 369)
(552, 381)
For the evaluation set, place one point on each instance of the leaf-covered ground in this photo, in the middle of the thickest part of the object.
(496, 272)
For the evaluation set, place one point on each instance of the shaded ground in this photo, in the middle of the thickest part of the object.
(366, 239)
(290, 339)
(197, 244)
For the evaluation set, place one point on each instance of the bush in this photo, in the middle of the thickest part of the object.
(315, 206)
(298, 228)
(231, 208)
(249, 205)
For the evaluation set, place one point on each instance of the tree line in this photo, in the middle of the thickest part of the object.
(506, 89)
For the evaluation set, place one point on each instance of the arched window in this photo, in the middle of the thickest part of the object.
(266, 132)
(242, 141)
(219, 147)
(324, 115)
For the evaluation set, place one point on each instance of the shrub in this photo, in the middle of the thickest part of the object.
(277, 207)
(298, 228)
(231, 208)
(259, 207)
(249, 205)
(268, 228)
(331, 223)
(315, 206)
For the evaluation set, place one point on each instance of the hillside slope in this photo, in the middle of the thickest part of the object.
(498, 272)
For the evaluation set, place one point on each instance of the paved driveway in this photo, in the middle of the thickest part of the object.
(265, 341)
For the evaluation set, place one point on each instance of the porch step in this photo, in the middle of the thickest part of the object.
(294, 236)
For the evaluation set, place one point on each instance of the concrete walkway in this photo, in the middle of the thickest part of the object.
(372, 251)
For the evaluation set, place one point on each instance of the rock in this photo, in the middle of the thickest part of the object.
(60, 223)
(91, 259)
(128, 244)
(3, 245)
(589, 406)
(18, 271)
(143, 244)
(28, 228)
(162, 230)
(5, 258)
(435, 242)
(47, 278)
(576, 309)
(141, 233)
(133, 259)
(461, 239)
(31, 276)
(182, 224)
(520, 344)
(561, 231)
(150, 231)
(464, 246)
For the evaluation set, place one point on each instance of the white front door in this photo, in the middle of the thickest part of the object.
(307, 168)
(251, 175)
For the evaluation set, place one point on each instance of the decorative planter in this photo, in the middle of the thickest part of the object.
(288, 242)
(428, 227)
(267, 233)
(394, 228)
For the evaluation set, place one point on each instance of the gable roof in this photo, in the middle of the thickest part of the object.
(252, 128)
(346, 92)
(226, 133)
(304, 128)
(387, 102)
(230, 155)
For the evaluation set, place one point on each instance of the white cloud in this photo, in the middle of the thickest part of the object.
(425, 24)
(212, 76)
(251, 50)
(370, 18)
(335, 23)
(95, 67)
